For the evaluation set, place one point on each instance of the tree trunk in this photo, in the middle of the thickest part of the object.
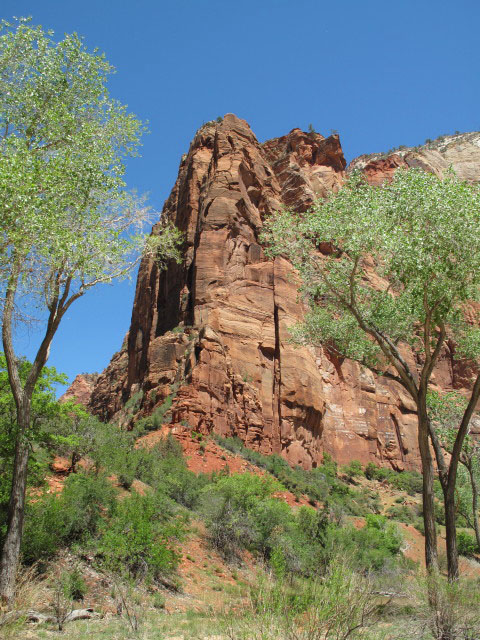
(431, 554)
(451, 529)
(16, 508)
(473, 483)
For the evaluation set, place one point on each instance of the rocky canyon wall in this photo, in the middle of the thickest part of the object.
(208, 346)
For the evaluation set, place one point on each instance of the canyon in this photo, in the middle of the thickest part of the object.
(208, 347)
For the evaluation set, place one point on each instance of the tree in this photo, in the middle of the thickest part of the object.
(44, 411)
(67, 222)
(446, 412)
(397, 267)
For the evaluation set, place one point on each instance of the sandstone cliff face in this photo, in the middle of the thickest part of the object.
(461, 152)
(81, 389)
(208, 343)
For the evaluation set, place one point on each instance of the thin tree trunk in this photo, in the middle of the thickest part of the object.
(23, 399)
(473, 483)
(431, 553)
(451, 529)
(16, 509)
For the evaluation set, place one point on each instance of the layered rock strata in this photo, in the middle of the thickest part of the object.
(208, 346)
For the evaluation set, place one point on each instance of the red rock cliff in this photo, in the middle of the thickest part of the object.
(211, 335)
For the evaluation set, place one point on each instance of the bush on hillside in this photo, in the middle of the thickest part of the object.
(374, 547)
(401, 513)
(240, 513)
(138, 541)
(353, 469)
(320, 484)
(54, 521)
(163, 467)
(409, 481)
(467, 544)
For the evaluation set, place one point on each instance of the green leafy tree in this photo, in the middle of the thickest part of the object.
(45, 410)
(398, 264)
(67, 222)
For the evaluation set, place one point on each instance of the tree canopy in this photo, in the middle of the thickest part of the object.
(397, 257)
(389, 266)
(67, 221)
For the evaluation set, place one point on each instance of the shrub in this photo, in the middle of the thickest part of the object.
(467, 544)
(76, 514)
(44, 530)
(241, 514)
(163, 467)
(138, 540)
(353, 469)
(73, 584)
(372, 548)
(409, 481)
(338, 606)
(401, 513)
(134, 401)
(320, 484)
(451, 611)
(419, 525)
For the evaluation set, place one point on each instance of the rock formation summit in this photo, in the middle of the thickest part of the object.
(208, 347)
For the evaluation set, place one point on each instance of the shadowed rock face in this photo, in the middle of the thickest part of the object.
(212, 333)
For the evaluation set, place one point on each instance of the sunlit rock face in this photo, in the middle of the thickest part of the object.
(81, 389)
(461, 152)
(211, 334)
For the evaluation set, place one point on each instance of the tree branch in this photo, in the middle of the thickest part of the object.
(462, 431)
(7, 337)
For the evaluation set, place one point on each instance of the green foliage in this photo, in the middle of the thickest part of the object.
(371, 548)
(401, 513)
(62, 156)
(164, 468)
(45, 412)
(446, 409)
(447, 609)
(466, 543)
(158, 417)
(241, 513)
(409, 481)
(158, 601)
(178, 329)
(135, 535)
(419, 231)
(335, 607)
(353, 469)
(320, 484)
(137, 540)
(53, 522)
(133, 403)
(73, 584)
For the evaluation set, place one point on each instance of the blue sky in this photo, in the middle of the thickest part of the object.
(381, 73)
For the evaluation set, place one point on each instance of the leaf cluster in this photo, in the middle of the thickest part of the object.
(392, 259)
(67, 221)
